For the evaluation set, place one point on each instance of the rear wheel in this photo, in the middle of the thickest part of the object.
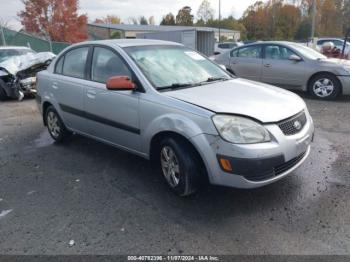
(179, 166)
(325, 86)
(55, 126)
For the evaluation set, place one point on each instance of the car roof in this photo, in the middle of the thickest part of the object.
(130, 42)
(269, 42)
(14, 47)
(330, 38)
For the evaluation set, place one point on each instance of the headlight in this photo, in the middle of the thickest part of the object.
(240, 130)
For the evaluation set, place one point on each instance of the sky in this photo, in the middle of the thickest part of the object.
(130, 8)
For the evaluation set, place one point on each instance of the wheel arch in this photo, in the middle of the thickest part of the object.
(157, 138)
(45, 106)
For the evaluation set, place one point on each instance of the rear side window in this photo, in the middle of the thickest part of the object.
(106, 64)
(75, 62)
(250, 52)
(59, 66)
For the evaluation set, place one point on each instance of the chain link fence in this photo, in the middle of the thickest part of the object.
(13, 38)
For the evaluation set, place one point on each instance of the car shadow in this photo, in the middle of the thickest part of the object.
(132, 175)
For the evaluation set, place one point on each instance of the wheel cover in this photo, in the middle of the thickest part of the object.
(170, 166)
(53, 125)
(323, 87)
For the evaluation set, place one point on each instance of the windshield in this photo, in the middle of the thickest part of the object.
(175, 66)
(8, 53)
(308, 52)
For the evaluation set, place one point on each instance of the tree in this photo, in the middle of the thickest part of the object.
(346, 16)
(205, 12)
(57, 19)
(331, 18)
(133, 20)
(304, 30)
(184, 16)
(169, 19)
(151, 20)
(143, 20)
(109, 19)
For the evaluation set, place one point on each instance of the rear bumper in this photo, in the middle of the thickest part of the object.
(255, 165)
(345, 81)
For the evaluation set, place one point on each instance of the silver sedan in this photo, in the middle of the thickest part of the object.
(168, 103)
(291, 66)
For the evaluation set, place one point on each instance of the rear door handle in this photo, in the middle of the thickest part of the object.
(54, 85)
(267, 65)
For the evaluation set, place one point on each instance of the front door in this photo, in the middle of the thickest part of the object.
(113, 116)
(279, 70)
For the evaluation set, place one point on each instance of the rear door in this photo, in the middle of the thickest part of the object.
(113, 116)
(68, 87)
(279, 70)
(246, 62)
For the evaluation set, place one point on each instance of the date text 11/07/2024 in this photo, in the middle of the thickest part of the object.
(173, 258)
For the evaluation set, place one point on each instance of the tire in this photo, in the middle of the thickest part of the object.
(3, 95)
(179, 165)
(325, 86)
(55, 125)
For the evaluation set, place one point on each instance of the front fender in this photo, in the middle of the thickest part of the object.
(171, 122)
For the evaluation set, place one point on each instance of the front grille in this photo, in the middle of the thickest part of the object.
(293, 125)
(288, 165)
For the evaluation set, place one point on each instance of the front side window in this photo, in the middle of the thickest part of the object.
(167, 66)
(106, 64)
(250, 52)
(277, 52)
(75, 62)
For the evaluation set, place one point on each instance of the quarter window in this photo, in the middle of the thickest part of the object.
(234, 53)
(250, 52)
(106, 64)
(75, 62)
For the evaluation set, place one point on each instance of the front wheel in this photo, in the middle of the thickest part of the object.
(325, 86)
(179, 165)
(55, 126)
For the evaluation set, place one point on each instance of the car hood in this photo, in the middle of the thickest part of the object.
(20, 63)
(243, 97)
(334, 62)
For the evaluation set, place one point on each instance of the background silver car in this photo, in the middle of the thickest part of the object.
(291, 66)
(167, 103)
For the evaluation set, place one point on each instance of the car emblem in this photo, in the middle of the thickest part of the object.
(297, 125)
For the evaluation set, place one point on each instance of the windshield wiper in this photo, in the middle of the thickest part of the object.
(214, 79)
(177, 86)
(185, 85)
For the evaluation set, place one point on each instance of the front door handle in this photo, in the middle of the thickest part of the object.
(91, 94)
(267, 65)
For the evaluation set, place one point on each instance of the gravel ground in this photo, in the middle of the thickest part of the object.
(111, 202)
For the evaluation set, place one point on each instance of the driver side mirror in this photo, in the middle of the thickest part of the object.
(295, 58)
(120, 83)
